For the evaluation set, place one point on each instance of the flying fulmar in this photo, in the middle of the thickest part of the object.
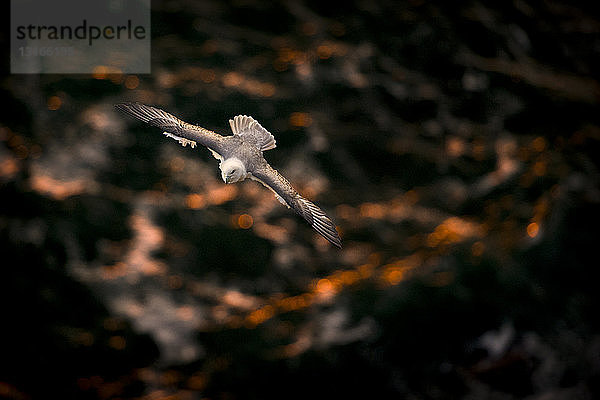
(240, 156)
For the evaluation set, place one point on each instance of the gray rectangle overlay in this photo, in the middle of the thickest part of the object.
(80, 36)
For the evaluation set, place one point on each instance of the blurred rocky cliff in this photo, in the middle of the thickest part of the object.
(454, 144)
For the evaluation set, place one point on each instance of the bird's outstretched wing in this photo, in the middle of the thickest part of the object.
(252, 131)
(173, 127)
(284, 191)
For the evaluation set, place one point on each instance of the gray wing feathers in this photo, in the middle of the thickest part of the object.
(174, 127)
(250, 129)
(269, 177)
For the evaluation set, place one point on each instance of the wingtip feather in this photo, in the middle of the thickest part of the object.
(123, 107)
(329, 232)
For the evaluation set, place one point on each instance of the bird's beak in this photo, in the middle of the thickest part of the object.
(226, 178)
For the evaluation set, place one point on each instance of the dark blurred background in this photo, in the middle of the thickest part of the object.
(455, 144)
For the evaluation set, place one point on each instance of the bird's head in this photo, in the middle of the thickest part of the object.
(232, 170)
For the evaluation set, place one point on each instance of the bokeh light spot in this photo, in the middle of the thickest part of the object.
(117, 342)
(245, 221)
(54, 103)
(100, 72)
(207, 75)
(300, 119)
(533, 229)
(324, 51)
(132, 82)
(194, 201)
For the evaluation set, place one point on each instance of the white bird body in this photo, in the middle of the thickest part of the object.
(241, 157)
